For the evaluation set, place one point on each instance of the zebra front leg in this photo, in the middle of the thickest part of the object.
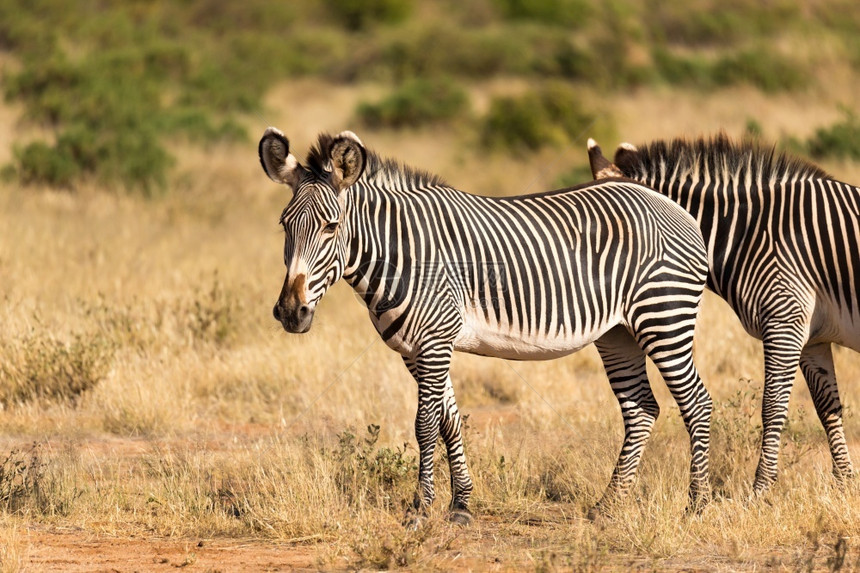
(438, 415)
(451, 428)
(624, 363)
(781, 358)
(816, 363)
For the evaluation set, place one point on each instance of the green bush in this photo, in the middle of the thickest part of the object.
(840, 140)
(128, 84)
(550, 116)
(681, 70)
(573, 177)
(721, 23)
(416, 53)
(566, 13)
(366, 471)
(415, 103)
(759, 67)
(359, 14)
(515, 49)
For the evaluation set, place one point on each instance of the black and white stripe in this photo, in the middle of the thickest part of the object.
(530, 277)
(783, 242)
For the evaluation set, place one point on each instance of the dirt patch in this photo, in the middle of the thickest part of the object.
(71, 551)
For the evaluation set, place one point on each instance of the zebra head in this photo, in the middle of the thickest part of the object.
(315, 228)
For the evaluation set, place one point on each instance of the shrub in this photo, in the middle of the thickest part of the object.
(692, 70)
(761, 68)
(550, 116)
(214, 314)
(22, 474)
(416, 102)
(364, 469)
(359, 14)
(416, 53)
(721, 23)
(840, 140)
(575, 176)
(128, 84)
(566, 13)
(44, 368)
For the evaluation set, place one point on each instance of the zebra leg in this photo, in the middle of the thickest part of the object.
(781, 358)
(624, 363)
(816, 363)
(438, 415)
(671, 350)
(461, 482)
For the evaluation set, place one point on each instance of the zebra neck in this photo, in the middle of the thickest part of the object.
(375, 249)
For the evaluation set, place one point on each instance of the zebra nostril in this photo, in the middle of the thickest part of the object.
(276, 312)
(303, 311)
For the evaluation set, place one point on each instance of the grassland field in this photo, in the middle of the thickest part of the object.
(154, 415)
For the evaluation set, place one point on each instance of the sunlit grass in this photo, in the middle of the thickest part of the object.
(207, 420)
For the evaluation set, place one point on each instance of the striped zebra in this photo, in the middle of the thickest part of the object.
(783, 242)
(531, 277)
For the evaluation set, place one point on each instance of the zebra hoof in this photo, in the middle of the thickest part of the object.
(414, 519)
(596, 513)
(461, 517)
(698, 501)
(844, 480)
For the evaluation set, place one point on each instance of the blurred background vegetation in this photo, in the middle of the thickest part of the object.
(110, 83)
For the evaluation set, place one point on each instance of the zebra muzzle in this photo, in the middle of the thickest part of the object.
(295, 318)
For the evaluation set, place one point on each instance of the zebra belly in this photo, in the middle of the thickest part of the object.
(479, 337)
(831, 323)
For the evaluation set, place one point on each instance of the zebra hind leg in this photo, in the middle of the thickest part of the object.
(671, 350)
(624, 363)
(816, 363)
(782, 348)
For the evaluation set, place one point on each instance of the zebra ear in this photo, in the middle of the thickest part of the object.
(348, 158)
(601, 168)
(279, 164)
(626, 157)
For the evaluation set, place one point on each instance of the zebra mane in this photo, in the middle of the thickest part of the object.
(720, 157)
(379, 170)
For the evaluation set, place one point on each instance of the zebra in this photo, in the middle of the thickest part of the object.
(531, 277)
(783, 241)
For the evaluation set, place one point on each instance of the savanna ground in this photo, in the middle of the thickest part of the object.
(156, 417)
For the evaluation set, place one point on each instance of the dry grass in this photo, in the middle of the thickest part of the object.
(203, 419)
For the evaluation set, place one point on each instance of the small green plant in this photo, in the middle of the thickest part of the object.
(416, 102)
(40, 367)
(753, 129)
(363, 469)
(214, 314)
(550, 116)
(840, 140)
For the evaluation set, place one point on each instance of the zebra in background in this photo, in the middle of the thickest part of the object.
(531, 277)
(783, 242)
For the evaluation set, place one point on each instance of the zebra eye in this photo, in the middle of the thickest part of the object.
(330, 228)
